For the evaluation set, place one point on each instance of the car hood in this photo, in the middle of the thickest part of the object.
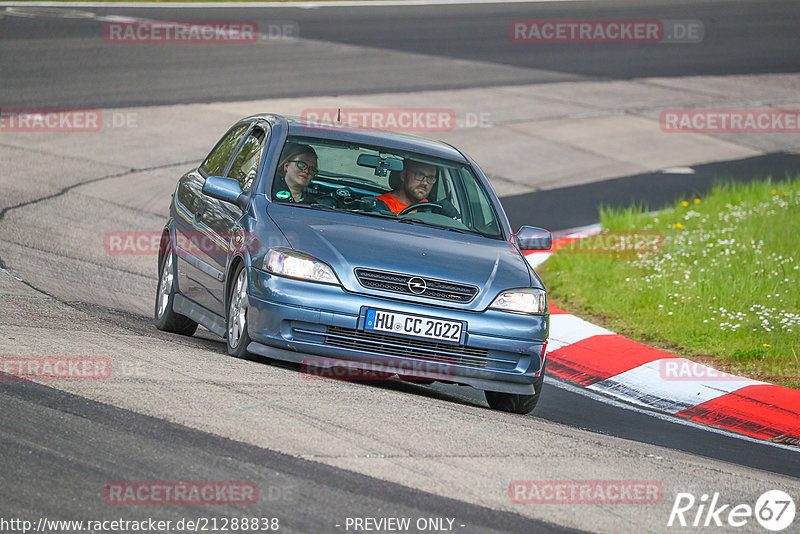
(347, 241)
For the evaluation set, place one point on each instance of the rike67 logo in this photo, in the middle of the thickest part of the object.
(774, 510)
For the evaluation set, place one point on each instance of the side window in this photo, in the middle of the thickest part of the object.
(447, 190)
(245, 165)
(483, 217)
(215, 163)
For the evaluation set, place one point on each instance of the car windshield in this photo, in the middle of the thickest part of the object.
(380, 182)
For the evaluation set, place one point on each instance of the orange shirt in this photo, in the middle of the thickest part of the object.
(394, 204)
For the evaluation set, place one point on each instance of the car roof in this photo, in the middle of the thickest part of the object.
(298, 126)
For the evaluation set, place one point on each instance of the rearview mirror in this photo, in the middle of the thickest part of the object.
(226, 189)
(532, 238)
(382, 164)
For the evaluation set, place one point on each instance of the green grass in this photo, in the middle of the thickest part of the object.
(725, 289)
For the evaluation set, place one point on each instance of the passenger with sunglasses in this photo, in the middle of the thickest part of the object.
(410, 186)
(297, 168)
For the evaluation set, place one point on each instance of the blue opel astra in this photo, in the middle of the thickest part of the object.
(338, 247)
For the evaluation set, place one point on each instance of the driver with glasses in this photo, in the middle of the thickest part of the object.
(410, 186)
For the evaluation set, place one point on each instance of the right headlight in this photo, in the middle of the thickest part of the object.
(523, 300)
(294, 264)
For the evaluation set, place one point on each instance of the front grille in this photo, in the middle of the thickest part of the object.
(398, 283)
(412, 348)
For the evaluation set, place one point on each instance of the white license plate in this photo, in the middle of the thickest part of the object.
(413, 325)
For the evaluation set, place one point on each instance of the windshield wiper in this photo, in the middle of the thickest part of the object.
(324, 207)
(374, 213)
(439, 226)
(312, 206)
(371, 213)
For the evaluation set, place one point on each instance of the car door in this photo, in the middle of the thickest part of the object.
(194, 241)
(222, 221)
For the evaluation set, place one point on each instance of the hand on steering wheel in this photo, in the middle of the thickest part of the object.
(420, 205)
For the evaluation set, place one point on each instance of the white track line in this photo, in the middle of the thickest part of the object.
(302, 5)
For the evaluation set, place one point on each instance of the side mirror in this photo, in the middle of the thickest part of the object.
(226, 189)
(532, 238)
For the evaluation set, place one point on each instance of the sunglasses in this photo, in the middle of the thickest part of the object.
(302, 165)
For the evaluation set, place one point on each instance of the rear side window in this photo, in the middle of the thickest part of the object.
(217, 160)
(245, 166)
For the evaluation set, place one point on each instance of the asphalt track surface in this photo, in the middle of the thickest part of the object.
(87, 442)
(57, 62)
(47, 63)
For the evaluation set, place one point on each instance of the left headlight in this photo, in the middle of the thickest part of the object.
(294, 264)
(524, 300)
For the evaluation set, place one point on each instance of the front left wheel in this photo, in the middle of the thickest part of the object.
(511, 402)
(164, 317)
(236, 331)
(514, 402)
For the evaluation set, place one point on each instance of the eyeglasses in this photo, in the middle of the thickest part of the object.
(302, 165)
(422, 177)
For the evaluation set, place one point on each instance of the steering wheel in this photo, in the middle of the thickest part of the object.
(419, 205)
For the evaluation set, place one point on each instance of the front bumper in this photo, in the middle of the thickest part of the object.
(291, 319)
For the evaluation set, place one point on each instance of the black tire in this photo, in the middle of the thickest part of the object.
(514, 402)
(416, 379)
(164, 317)
(236, 336)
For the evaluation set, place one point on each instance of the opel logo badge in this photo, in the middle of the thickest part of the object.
(417, 285)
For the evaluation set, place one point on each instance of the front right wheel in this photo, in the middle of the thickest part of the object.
(238, 302)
